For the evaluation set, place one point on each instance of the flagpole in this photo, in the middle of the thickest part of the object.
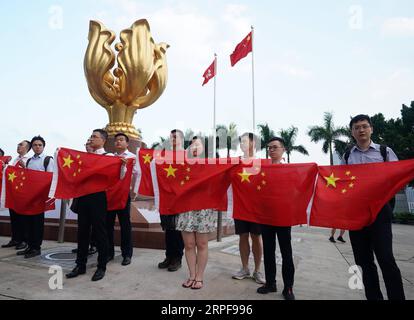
(254, 107)
(214, 107)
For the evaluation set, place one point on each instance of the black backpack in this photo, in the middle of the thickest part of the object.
(46, 162)
(383, 151)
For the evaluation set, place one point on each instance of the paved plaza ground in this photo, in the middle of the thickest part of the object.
(322, 272)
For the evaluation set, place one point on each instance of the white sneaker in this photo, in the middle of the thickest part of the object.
(241, 274)
(258, 277)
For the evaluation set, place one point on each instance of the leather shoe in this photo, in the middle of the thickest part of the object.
(126, 261)
(22, 245)
(11, 243)
(266, 289)
(23, 252)
(288, 294)
(175, 265)
(76, 272)
(165, 263)
(32, 253)
(98, 275)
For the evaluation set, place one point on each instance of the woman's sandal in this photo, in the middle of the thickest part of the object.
(195, 283)
(188, 283)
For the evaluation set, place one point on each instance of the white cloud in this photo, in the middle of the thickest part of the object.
(398, 26)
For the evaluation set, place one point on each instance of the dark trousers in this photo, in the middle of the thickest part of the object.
(34, 224)
(269, 252)
(124, 218)
(18, 228)
(174, 244)
(92, 218)
(377, 238)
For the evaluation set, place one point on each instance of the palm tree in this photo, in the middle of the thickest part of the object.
(329, 134)
(227, 137)
(265, 134)
(289, 136)
(161, 144)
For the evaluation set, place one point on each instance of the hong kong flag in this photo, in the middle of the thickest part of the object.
(242, 49)
(26, 191)
(349, 197)
(79, 173)
(210, 72)
(276, 195)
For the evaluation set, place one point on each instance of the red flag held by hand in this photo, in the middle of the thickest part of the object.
(242, 49)
(117, 195)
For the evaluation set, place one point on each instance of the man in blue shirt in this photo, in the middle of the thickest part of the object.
(377, 237)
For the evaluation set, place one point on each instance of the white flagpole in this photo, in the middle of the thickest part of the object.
(254, 108)
(214, 111)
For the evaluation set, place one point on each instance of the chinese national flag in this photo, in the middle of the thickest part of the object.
(143, 184)
(276, 195)
(349, 197)
(117, 195)
(5, 159)
(183, 186)
(210, 72)
(79, 173)
(242, 49)
(26, 191)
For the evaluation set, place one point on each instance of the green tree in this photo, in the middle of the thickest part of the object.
(289, 136)
(329, 134)
(227, 137)
(265, 134)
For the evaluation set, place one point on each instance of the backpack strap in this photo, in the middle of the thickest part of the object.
(347, 154)
(27, 162)
(383, 150)
(46, 162)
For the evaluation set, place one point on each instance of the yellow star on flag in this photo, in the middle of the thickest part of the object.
(244, 175)
(12, 176)
(170, 171)
(348, 173)
(68, 162)
(147, 158)
(344, 191)
(351, 185)
(331, 180)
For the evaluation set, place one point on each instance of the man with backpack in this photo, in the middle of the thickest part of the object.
(35, 223)
(377, 237)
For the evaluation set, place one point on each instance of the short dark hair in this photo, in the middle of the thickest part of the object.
(1, 152)
(360, 117)
(29, 144)
(282, 142)
(252, 137)
(179, 132)
(103, 133)
(38, 138)
(121, 134)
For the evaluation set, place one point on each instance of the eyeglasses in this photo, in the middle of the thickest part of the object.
(270, 148)
(364, 127)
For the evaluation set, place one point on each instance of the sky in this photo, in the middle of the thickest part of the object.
(346, 57)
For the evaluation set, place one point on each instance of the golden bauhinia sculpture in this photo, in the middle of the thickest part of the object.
(136, 83)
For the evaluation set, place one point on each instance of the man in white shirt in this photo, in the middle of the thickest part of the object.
(92, 210)
(124, 218)
(35, 223)
(19, 236)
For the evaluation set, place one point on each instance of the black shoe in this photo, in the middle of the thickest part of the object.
(341, 239)
(110, 258)
(98, 275)
(266, 289)
(165, 264)
(11, 243)
(92, 250)
(175, 265)
(126, 261)
(75, 250)
(331, 239)
(76, 272)
(22, 245)
(23, 252)
(32, 253)
(288, 294)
